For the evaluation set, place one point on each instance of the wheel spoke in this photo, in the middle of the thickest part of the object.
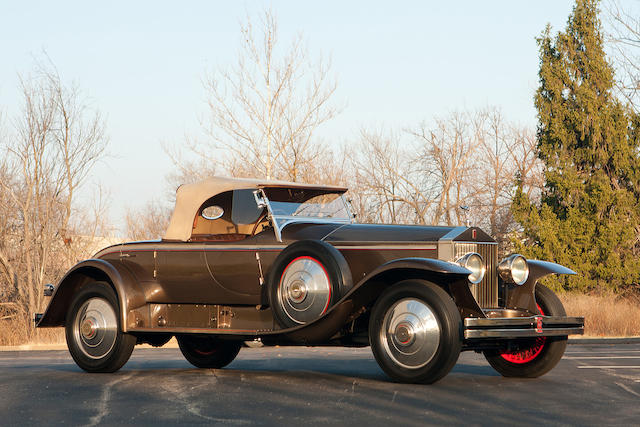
(528, 354)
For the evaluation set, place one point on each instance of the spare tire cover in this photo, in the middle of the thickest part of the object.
(306, 279)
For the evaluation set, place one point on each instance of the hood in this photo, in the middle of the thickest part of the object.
(382, 233)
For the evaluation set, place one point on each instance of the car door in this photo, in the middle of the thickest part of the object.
(234, 269)
(183, 275)
(232, 259)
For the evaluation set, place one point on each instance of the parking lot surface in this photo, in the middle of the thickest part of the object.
(592, 385)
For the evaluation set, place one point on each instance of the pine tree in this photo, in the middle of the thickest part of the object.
(588, 217)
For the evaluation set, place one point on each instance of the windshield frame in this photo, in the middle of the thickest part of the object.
(279, 222)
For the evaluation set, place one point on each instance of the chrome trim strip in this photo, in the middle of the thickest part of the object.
(478, 243)
(390, 247)
(191, 330)
(333, 231)
(199, 248)
(302, 219)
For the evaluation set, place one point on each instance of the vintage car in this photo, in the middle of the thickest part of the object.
(284, 263)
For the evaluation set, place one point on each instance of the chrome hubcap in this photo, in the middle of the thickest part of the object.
(96, 328)
(297, 292)
(305, 290)
(404, 334)
(88, 329)
(410, 333)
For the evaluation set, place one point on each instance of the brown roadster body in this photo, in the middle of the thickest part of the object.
(284, 263)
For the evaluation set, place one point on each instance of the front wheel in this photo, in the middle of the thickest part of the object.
(536, 356)
(93, 331)
(204, 351)
(415, 332)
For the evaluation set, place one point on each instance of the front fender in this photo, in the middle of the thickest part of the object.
(451, 277)
(126, 287)
(524, 296)
(432, 265)
(367, 290)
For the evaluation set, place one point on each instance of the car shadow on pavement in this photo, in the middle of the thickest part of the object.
(286, 370)
(273, 363)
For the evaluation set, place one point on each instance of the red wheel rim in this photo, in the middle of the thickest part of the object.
(204, 347)
(528, 354)
(204, 352)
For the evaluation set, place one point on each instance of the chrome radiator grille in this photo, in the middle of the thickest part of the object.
(485, 292)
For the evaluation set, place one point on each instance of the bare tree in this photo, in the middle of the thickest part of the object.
(189, 169)
(149, 222)
(523, 153)
(56, 140)
(464, 159)
(625, 37)
(445, 153)
(505, 157)
(385, 186)
(424, 181)
(264, 111)
(494, 174)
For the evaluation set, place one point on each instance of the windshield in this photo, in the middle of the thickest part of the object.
(305, 203)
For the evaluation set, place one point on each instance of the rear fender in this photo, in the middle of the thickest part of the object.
(124, 284)
(523, 297)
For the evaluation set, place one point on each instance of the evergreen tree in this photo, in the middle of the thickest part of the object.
(588, 217)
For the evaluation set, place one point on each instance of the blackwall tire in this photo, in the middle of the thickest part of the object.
(539, 355)
(415, 332)
(93, 331)
(305, 280)
(204, 351)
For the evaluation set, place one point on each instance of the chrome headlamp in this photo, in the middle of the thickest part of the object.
(474, 263)
(514, 269)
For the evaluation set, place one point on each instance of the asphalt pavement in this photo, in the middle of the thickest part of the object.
(592, 385)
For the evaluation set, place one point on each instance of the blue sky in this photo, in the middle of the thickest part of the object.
(397, 64)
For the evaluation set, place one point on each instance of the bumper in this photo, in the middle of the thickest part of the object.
(522, 327)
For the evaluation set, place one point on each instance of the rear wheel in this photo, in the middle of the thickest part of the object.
(415, 332)
(537, 356)
(93, 330)
(204, 351)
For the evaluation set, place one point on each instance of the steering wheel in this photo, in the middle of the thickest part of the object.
(260, 219)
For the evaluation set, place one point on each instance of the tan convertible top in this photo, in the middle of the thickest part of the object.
(190, 197)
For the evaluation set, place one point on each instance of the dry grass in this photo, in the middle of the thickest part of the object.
(13, 332)
(605, 315)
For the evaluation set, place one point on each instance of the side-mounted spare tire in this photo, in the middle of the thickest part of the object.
(306, 279)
